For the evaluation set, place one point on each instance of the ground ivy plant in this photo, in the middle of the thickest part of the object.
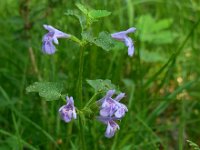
(110, 108)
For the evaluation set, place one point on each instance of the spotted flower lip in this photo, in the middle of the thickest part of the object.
(50, 37)
(122, 36)
(68, 111)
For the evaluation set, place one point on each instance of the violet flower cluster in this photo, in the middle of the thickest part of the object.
(111, 110)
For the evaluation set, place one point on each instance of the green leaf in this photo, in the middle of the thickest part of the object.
(81, 19)
(193, 145)
(95, 14)
(105, 41)
(156, 32)
(86, 35)
(92, 15)
(82, 8)
(100, 85)
(48, 90)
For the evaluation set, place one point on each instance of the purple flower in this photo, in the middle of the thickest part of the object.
(111, 110)
(122, 109)
(122, 36)
(50, 37)
(68, 112)
(112, 126)
(110, 106)
(109, 94)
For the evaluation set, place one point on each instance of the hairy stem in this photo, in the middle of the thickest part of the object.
(80, 96)
(88, 104)
(80, 76)
(81, 134)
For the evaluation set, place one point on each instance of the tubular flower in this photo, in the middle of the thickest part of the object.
(68, 112)
(112, 126)
(111, 110)
(110, 106)
(50, 37)
(122, 36)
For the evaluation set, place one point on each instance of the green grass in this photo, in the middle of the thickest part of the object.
(161, 80)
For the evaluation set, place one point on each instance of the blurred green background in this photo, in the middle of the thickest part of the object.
(161, 80)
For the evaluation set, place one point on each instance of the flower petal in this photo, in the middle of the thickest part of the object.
(119, 97)
(122, 36)
(131, 50)
(59, 34)
(74, 114)
(68, 111)
(48, 47)
(121, 111)
(129, 43)
(55, 40)
(103, 119)
(48, 27)
(50, 37)
(105, 112)
(130, 30)
(112, 127)
(109, 131)
(109, 94)
(119, 36)
(70, 100)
